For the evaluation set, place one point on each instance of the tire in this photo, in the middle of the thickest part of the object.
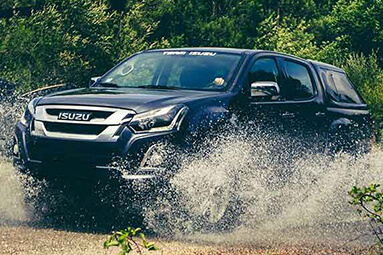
(58, 204)
(72, 203)
(220, 216)
(349, 145)
(55, 202)
(172, 215)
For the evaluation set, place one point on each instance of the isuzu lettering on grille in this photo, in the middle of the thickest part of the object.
(74, 116)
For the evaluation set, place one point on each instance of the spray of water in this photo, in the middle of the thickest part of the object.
(12, 207)
(15, 189)
(285, 196)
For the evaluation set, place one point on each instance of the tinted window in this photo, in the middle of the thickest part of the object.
(298, 84)
(339, 87)
(264, 69)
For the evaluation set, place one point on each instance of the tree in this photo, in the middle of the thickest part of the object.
(360, 24)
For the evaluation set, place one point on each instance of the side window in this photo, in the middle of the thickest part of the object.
(298, 85)
(264, 69)
(339, 87)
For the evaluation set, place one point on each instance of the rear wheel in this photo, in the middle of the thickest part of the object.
(346, 144)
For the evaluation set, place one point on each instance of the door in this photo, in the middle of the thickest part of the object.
(285, 102)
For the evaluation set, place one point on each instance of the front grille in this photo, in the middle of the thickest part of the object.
(69, 128)
(80, 122)
(95, 114)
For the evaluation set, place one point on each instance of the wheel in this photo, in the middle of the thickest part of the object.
(175, 213)
(219, 210)
(58, 204)
(53, 201)
(214, 207)
(347, 143)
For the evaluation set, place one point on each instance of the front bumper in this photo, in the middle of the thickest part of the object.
(123, 157)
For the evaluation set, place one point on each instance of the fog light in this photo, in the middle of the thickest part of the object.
(153, 157)
(16, 149)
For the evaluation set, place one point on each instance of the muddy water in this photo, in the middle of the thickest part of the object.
(285, 197)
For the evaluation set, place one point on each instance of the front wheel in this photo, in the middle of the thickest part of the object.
(213, 211)
(220, 211)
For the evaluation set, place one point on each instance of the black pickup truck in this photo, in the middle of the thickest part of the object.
(171, 94)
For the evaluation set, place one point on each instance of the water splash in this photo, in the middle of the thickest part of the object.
(285, 196)
(14, 187)
(12, 206)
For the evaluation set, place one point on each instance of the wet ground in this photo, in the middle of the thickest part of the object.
(30, 241)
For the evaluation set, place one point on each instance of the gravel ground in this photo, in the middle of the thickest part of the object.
(26, 240)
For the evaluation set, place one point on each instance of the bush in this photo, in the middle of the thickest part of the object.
(367, 77)
(69, 41)
(55, 45)
(370, 205)
(124, 239)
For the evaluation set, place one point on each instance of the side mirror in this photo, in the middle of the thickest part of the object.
(93, 80)
(265, 89)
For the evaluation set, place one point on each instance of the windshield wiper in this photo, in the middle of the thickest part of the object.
(157, 87)
(107, 85)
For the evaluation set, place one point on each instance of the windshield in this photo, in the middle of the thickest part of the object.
(174, 70)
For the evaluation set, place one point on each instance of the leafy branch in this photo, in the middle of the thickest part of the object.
(125, 240)
(370, 199)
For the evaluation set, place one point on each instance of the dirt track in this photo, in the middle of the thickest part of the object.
(25, 240)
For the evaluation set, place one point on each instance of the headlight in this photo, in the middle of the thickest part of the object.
(29, 112)
(159, 120)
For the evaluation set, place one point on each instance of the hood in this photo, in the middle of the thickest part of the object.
(137, 99)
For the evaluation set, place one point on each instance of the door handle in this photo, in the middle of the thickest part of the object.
(320, 114)
(287, 115)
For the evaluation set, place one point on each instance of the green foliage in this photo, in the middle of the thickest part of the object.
(225, 23)
(288, 36)
(370, 202)
(56, 45)
(370, 199)
(125, 240)
(293, 36)
(360, 21)
(10, 4)
(134, 32)
(368, 79)
(70, 41)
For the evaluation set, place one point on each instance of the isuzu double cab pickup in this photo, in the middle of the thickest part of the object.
(167, 96)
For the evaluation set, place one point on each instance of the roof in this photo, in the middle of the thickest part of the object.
(248, 52)
(215, 49)
(326, 66)
(227, 50)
